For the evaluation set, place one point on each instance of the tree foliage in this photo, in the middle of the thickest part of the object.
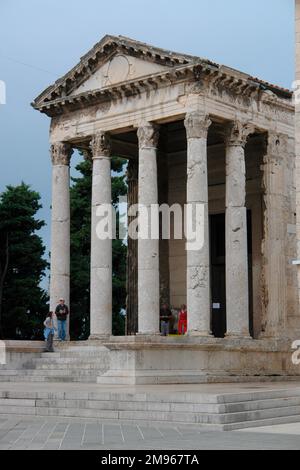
(23, 303)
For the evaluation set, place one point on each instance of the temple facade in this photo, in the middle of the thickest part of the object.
(194, 133)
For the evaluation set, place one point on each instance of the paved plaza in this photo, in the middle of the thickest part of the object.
(23, 433)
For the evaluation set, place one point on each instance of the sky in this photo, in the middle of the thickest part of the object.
(41, 40)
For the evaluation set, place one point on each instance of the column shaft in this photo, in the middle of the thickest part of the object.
(297, 135)
(132, 254)
(274, 273)
(198, 263)
(101, 248)
(237, 282)
(60, 226)
(148, 250)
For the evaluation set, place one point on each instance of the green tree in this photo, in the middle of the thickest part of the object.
(23, 303)
(80, 252)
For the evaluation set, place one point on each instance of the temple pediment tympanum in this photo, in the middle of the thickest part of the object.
(112, 61)
(120, 68)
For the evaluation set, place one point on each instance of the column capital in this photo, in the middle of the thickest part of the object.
(61, 153)
(276, 144)
(148, 135)
(197, 125)
(101, 145)
(237, 133)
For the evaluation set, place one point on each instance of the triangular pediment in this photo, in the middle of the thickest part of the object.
(118, 69)
(115, 59)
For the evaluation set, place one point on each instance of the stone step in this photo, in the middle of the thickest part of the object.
(155, 406)
(43, 379)
(262, 422)
(178, 400)
(74, 354)
(221, 411)
(64, 366)
(53, 372)
(264, 404)
(66, 360)
(51, 379)
(44, 408)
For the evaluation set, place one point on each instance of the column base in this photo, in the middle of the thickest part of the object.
(99, 337)
(238, 336)
(148, 333)
(199, 334)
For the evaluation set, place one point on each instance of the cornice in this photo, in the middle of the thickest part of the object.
(58, 98)
(200, 78)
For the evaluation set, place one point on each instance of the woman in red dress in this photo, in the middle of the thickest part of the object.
(182, 320)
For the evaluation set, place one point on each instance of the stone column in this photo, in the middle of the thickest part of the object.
(276, 206)
(163, 198)
(101, 249)
(132, 254)
(297, 134)
(60, 226)
(237, 282)
(198, 262)
(148, 250)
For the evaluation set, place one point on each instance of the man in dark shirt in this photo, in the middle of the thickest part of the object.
(165, 318)
(61, 313)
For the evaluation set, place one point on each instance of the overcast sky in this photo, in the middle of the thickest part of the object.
(40, 40)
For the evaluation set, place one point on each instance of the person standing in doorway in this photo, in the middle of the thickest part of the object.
(165, 318)
(182, 320)
(62, 313)
(49, 332)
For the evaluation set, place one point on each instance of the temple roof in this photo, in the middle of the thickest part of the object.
(110, 46)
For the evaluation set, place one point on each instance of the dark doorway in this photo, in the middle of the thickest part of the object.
(218, 278)
(218, 286)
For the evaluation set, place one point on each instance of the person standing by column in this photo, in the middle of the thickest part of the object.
(165, 319)
(61, 312)
(182, 320)
(49, 332)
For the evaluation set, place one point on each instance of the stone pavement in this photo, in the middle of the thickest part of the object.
(30, 433)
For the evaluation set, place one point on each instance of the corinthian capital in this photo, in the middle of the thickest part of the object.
(237, 133)
(277, 144)
(197, 125)
(148, 135)
(100, 145)
(61, 153)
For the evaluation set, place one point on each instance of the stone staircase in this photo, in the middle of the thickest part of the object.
(225, 412)
(67, 365)
(66, 384)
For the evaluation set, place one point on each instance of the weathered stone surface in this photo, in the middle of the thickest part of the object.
(101, 249)
(123, 87)
(148, 250)
(237, 282)
(198, 277)
(60, 226)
